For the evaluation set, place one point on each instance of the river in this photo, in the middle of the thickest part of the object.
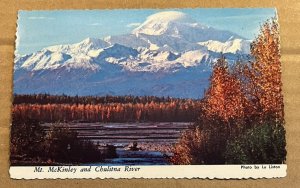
(153, 141)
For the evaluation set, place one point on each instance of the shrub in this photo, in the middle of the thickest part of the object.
(202, 144)
(31, 144)
(26, 138)
(110, 151)
(263, 144)
(63, 145)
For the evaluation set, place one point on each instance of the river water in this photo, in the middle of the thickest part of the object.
(154, 140)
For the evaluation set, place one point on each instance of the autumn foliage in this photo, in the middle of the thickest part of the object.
(243, 100)
(239, 120)
(225, 97)
(105, 109)
(264, 74)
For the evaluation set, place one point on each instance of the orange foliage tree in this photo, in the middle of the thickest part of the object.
(221, 117)
(264, 73)
(224, 97)
(178, 110)
(239, 99)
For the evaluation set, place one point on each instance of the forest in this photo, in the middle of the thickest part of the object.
(51, 108)
(240, 120)
(33, 143)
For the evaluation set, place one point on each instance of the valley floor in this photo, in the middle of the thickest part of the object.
(153, 140)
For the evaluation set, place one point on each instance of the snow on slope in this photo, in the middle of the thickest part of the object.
(45, 59)
(180, 25)
(231, 46)
(173, 31)
(82, 47)
(160, 23)
(168, 55)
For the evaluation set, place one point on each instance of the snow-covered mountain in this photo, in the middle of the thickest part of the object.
(168, 55)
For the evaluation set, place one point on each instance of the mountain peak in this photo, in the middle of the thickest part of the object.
(161, 22)
(90, 40)
(94, 41)
(169, 16)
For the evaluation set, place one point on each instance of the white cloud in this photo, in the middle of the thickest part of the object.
(40, 18)
(95, 24)
(133, 25)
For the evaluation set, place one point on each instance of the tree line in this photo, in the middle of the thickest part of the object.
(158, 109)
(44, 98)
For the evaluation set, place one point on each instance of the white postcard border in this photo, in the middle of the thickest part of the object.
(150, 172)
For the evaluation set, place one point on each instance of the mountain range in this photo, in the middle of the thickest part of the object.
(169, 54)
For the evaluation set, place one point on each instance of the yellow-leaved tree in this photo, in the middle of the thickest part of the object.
(264, 73)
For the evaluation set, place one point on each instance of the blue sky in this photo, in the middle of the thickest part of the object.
(39, 29)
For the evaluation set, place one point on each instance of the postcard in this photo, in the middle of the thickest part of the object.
(148, 93)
